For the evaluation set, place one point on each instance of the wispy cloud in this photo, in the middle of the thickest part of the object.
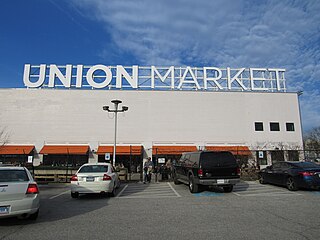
(221, 33)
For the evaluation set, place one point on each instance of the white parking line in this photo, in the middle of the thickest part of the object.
(271, 194)
(178, 195)
(124, 188)
(253, 189)
(137, 190)
(154, 196)
(55, 196)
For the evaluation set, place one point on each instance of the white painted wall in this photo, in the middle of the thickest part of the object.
(44, 116)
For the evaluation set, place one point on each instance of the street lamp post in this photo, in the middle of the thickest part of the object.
(299, 93)
(115, 110)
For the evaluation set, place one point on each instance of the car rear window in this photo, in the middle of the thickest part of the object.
(11, 175)
(93, 168)
(217, 159)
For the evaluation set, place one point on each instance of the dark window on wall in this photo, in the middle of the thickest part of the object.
(277, 156)
(274, 126)
(293, 155)
(258, 126)
(290, 127)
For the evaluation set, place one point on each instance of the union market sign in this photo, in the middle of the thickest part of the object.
(154, 78)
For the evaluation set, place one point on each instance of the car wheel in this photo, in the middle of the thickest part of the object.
(34, 216)
(113, 193)
(175, 180)
(291, 185)
(119, 184)
(74, 194)
(228, 189)
(261, 179)
(193, 187)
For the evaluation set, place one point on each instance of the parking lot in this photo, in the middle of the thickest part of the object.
(166, 211)
(168, 189)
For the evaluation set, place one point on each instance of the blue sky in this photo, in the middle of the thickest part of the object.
(220, 33)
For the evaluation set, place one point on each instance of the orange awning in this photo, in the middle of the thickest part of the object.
(121, 150)
(16, 149)
(65, 149)
(173, 150)
(236, 150)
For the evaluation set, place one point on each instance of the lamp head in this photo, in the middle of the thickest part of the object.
(105, 108)
(125, 108)
(116, 101)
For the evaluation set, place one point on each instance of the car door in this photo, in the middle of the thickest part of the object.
(283, 173)
(185, 166)
(277, 173)
(177, 167)
(271, 173)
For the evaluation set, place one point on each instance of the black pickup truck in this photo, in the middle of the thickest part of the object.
(207, 168)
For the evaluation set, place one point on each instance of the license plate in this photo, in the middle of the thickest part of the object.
(90, 179)
(220, 181)
(4, 210)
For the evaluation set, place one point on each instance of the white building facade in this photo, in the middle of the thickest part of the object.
(42, 117)
(171, 110)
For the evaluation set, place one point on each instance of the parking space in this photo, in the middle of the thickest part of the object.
(248, 189)
(155, 190)
(251, 189)
(169, 190)
(316, 193)
(251, 207)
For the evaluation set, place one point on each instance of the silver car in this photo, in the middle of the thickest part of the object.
(19, 193)
(95, 178)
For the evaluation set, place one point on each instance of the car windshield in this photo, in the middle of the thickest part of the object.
(217, 159)
(12, 175)
(93, 168)
(306, 165)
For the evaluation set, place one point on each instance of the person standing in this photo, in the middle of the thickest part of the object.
(147, 170)
(169, 169)
(156, 173)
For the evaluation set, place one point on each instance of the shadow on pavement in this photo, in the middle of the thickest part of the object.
(242, 186)
(62, 207)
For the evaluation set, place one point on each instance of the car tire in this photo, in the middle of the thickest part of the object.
(175, 180)
(193, 187)
(113, 193)
(119, 184)
(74, 194)
(228, 189)
(34, 216)
(291, 185)
(261, 179)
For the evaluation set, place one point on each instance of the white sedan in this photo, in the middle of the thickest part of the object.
(95, 178)
(19, 193)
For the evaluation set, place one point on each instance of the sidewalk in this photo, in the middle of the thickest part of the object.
(132, 177)
(136, 177)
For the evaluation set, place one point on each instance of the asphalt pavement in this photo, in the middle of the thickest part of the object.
(167, 211)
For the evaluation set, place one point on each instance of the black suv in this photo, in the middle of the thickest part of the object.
(207, 168)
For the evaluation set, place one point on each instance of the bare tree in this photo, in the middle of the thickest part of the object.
(312, 139)
(3, 136)
(312, 142)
